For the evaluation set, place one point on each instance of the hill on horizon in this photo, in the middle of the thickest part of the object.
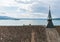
(7, 18)
(11, 18)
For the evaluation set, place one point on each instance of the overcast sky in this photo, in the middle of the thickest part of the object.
(29, 8)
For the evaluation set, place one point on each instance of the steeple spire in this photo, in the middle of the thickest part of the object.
(50, 23)
(49, 16)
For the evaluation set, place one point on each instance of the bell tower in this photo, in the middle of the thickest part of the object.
(50, 23)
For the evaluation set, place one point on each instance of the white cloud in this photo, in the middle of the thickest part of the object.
(6, 2)
(25, 5)
(28, 15)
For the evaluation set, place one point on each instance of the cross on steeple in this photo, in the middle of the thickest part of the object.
(50, 23)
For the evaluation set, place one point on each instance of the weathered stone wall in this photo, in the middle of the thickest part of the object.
(52, 35)
(22, 33)
(58, 29)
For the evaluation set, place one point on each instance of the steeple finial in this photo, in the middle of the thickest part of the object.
(49, 6)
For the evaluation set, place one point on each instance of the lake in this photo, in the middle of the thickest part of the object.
(26, 22)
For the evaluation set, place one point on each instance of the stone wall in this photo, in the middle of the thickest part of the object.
(22, 33)
(52, 35)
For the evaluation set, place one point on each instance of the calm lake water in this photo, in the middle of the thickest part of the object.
(26, 22)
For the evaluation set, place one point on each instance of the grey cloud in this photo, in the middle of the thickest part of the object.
(23, 10)
(39, 8)
(27, 2)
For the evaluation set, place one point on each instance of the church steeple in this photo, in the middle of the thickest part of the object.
(50, 23)
(49, 15)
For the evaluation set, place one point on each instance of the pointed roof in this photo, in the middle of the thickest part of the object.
(50, 23)
(49, 16)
